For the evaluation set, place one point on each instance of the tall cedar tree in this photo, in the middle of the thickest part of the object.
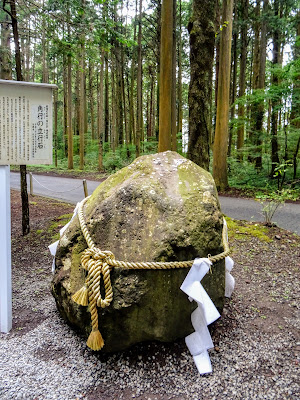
(275, 81)
(242, 77)
(202, 40)
(166, 77)
(24, 194)
(139, 127)
(221, 133)
(5, 67)
(295, 114)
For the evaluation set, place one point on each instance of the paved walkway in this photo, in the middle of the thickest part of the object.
(71, 190)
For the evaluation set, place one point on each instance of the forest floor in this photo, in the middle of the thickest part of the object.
(263, 313)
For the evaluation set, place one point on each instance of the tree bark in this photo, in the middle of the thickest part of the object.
(221, 133)
(233, 78)
(255, 82)
(242, 79)
(259, 118)
(106, 103)
(81, 107)
(5, 52)
(179, 80)
(91, 98)
(65, 107)
(100, 119)
(24, 194)
(202, 39)
(166, 77)
(275, 101)
(69, 109)
(295, 112)
(217, 64)
(158, 39)
(45, 72)
(173, 112)
(139, 127)
(82, 96)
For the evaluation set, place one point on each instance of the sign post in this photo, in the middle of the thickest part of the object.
(25, 138)
(5, 251)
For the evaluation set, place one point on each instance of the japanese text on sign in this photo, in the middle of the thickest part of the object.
(25, 124)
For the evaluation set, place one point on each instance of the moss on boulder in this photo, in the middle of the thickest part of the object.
(162, 207)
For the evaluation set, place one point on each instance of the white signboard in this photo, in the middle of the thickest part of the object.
(25, 123)
(25, 138)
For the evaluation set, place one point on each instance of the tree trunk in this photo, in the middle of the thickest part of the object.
(82, 95)
(255, 82)
(295, 112)
(45, 72)
(158, 40)
(27, 53)
(233, 79)
(113, 139)
(65, 109)
(91, 98)
(261, 85)
(5, 52)
(275, 101)
(166, 77)
(69, 109)
(123, 101)
(77, 104)
(24, 194)
(173, 115)
(106, 103)
(139, 127)
(100, 120)
(81, 118)
(242, 79)
(179, 79)
(221, 133)
(55, 101)
(202, 39)
(217, 64)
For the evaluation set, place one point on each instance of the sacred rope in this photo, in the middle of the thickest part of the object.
(97, 262)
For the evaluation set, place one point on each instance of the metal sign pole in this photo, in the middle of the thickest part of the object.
(5, 251)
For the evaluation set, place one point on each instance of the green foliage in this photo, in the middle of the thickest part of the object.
(122, 157)
(244, 175)
(270, 202)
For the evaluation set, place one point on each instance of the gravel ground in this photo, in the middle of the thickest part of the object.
(257, 341)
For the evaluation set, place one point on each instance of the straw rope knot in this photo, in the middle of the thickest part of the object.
(96, 263)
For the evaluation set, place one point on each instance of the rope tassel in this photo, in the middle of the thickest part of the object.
(81, 296)
(95, 340)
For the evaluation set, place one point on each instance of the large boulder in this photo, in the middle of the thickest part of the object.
(162, 207)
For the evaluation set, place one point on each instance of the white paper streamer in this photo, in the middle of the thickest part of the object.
(229, 279)
(200, 341)
(203, 363)
(52, 249)
(53, 246)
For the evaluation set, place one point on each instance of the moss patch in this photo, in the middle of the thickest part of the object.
(238, 229)
(57, 224)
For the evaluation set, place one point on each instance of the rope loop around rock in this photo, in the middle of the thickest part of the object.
(99, 263)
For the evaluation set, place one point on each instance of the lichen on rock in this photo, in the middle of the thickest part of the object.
(162, 207)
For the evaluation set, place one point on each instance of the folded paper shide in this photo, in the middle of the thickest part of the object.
(53, 246)
(200, 341)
